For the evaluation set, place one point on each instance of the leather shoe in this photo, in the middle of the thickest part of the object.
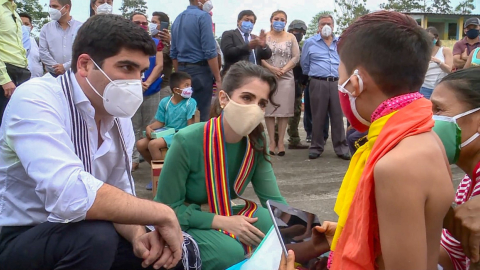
(313, 156)
(345, 156)
(298, 146)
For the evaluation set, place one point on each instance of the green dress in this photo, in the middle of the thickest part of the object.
(182, 187)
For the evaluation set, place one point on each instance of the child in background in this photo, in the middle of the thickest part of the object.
(175, 112)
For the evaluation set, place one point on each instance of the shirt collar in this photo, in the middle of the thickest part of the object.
(465, 41)
(78, 94)
(318, 37)
(241, 32)
(193, 7)
(69, 22)
(2, 2)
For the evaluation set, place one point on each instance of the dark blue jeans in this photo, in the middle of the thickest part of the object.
(18, 76)
(307, 115)
(202, 84)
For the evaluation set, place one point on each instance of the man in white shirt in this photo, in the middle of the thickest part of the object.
(67, 193)
(34, 64)
(57, 36)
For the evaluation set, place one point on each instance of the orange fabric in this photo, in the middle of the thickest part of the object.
(359, 244)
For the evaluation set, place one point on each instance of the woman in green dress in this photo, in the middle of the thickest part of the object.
(213, 162)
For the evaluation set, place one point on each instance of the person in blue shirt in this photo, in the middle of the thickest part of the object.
(176, 111)
(193, 51)
(320, 62)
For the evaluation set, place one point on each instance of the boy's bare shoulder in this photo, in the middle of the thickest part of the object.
(412, 160)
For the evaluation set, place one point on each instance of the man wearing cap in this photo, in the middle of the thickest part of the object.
(298, 28)
(471, 41)
(240, 45)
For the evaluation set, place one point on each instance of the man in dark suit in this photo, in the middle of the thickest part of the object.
(239, 44)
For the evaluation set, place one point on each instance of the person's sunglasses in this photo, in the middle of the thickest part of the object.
(140, 23)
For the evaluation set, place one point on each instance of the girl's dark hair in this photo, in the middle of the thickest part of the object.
(466, 85)
(237, 76)
(432, 30)
(92, 12)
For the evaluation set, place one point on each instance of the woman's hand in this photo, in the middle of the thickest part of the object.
(436, 60)
(241, 227)
(276, 71)
(289, 262)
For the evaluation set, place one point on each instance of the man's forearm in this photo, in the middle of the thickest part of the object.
(213, 63)
(130, 232)
(175, 64)
(156, 72)
(459, 62)
(115, 205)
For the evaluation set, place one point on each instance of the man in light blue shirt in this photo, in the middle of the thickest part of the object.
(57, 36)
(320, 62)
(193, 50)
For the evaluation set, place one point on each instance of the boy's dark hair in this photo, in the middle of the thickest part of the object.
(26, 15)
(176, 79)
(392, 48)
(247, 13)
(65, 2)
(137, 13)
(163, 17)
(101, 42)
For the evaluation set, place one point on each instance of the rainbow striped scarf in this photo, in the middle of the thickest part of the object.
(216, 174)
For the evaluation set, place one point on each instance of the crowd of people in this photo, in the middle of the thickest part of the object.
(81, 107)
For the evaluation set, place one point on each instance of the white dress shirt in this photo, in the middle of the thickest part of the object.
(56, 44)
(34, 64)
(41, 177)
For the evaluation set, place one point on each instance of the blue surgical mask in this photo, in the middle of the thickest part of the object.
(434, 41)
(278, 26)
(246, 27)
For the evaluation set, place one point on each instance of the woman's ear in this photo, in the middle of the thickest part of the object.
(223, 99)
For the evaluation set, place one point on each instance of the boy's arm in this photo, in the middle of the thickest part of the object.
(190, 122)
(400, 201)
(156, 125)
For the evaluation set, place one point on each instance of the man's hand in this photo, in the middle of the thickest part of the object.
(254, 43)
(165, 36)
(466, 227)
(171, 233)
(262, 39)
(464, 55)
(326, 231)
(145, 86)
(59, 69)
(152, 249)
(289, 262)
(8, 89)
(219, 85)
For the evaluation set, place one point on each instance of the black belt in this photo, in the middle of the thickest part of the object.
(201, 63)
(328, 79)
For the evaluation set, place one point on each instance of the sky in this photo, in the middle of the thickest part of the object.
(225, 12)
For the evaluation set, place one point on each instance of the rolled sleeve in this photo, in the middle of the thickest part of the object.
(35, 124)
(4, 78)
(208, 41)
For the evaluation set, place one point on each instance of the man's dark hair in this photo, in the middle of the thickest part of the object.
(101, 42)
(26, 15)
(177, 78)
(392, 48)
(137, 13)
(163, 17)
(65, 2)
(247, 13)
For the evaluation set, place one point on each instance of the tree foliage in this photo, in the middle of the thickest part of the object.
(347, 11)
(312, 28)
(465, 7)
(34, 9)
(404, 5)
(131, 6)
(441, 6)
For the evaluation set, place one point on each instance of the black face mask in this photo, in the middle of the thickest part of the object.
(299, 36)
(472, 33)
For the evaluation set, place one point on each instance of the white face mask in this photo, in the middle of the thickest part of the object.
(104, 8)
(186, 92)
(243, 119)
(207, 6)
(56, 14)
(326, 31)
(121, 98)
(153, 28)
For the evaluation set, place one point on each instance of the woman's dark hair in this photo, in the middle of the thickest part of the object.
(466, 85)
(101, 42)
(92, 3)
(276, 13)
(432, 30)
(237, 76)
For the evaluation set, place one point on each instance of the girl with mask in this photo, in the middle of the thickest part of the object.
(440, 65)
(285, 56)
(101, 7)
(456, 109)
(213, 162)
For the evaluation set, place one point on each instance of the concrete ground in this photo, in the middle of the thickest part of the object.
(310, 185)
